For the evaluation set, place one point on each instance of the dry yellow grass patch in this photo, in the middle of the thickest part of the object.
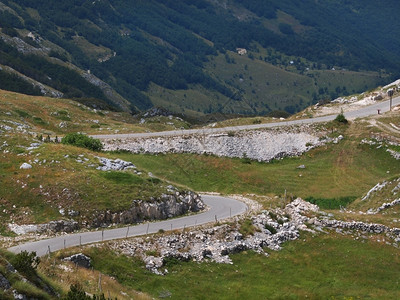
(92, 281)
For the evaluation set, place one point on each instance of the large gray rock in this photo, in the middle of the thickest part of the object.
(4, 283)
(80, 260)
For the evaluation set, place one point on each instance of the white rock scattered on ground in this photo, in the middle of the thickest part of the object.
(377, 187)
(25, 166)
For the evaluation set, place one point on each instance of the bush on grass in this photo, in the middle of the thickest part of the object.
(81, 140)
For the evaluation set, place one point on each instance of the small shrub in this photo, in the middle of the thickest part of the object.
(170, 261)
(22, 113)
(340, 118)
(26, 262)
(64, 118)
(62, 112)
(245, 159)
(247, 227)
(272, 215)
(154, 180)
(76, 292)
(38, 120)
(152, 253)
(270, 228)
(81, 140)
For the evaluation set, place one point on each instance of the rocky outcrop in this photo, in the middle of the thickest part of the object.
(376, 188)
(260, 145)
(52, 226)
(394, 154)
(80, 260)
(167, 206)
(4, 283)
(114, 164)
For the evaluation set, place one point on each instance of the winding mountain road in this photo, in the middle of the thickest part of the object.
(219, 208)
(366, 111)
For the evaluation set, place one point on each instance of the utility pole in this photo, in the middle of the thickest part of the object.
(390, 94)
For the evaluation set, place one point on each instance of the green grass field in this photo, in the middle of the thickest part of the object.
(342, 170)
(321, 267)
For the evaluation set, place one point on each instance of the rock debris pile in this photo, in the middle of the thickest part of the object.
(272, 228)
(215, 244)
(260, 145)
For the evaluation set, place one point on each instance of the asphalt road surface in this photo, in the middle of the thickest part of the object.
(360, 113)
(219, 208)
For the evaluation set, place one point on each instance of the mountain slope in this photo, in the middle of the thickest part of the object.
(123, 52)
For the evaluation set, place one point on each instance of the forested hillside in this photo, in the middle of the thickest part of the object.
(183, 54)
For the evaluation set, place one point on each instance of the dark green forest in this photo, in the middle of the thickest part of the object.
(169, 43)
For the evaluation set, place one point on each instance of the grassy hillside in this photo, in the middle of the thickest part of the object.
(63, 176)
(60, 116)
